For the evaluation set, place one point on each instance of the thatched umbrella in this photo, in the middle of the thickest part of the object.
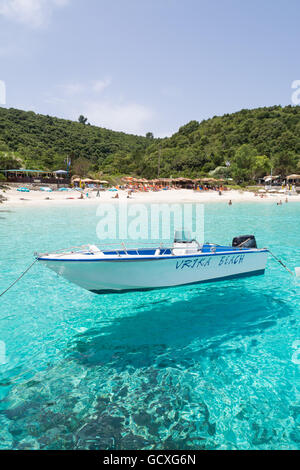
(183, 180)
(207, 180)
(293, 177)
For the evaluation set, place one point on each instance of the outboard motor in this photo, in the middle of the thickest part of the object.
(244, 241)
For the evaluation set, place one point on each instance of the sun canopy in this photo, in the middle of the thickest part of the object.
(23, 170)
(293, 177)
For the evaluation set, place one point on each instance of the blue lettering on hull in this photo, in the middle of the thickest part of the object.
(193, 263)
(235, 259)
(205, 261)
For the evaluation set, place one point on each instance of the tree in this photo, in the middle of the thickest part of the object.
(284, 163)
(261, 166)
(81, 166)
(82, 119)
(149, 136)
(221, 172)
(9, 161)
(243, 161)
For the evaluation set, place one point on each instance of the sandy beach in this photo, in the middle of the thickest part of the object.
(16, 198)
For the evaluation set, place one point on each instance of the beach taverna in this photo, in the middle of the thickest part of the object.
(23, 175)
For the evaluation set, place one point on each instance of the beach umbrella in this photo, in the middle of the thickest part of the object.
(127, 178)
(23, 190)
(207, 180)
(293, 177)
(46, 189)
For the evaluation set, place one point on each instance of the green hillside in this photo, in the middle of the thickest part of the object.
(244, 145)
(44, 142)
(252, 141)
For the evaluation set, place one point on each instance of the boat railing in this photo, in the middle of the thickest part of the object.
(130, 246)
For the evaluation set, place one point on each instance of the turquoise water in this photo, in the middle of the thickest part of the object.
(201, 367)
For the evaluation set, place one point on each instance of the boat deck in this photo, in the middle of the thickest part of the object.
(93, 253)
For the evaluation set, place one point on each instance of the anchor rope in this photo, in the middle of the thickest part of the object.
(18, 279)
(281, 262)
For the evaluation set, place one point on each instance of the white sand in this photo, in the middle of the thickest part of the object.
(171, 196)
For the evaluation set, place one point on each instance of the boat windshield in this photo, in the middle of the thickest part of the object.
(182, 236)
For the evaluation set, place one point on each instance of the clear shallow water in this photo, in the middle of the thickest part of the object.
(206, 366)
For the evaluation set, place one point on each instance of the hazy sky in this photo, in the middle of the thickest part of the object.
(148, 65)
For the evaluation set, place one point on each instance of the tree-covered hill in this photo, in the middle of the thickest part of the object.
(44, 142)
(244, 145)
(272, 134)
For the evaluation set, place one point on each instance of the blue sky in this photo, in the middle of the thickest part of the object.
(148, 65)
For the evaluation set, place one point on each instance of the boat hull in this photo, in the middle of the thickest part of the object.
(146, 273)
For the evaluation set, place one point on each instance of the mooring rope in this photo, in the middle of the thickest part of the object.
(281, 262)
(20, 277)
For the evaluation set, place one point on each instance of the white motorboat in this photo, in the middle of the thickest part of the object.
(117, 270)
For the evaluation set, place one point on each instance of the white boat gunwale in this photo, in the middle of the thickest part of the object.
(65, 257)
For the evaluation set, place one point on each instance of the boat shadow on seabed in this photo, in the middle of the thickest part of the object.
(123, 382)
(179, 329)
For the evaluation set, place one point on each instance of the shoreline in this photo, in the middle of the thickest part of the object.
(56, 198)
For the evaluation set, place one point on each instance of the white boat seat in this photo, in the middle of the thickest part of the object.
(180, 249)
(94, 249)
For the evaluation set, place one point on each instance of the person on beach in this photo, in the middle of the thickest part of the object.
(230, 202)
(98, 191)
